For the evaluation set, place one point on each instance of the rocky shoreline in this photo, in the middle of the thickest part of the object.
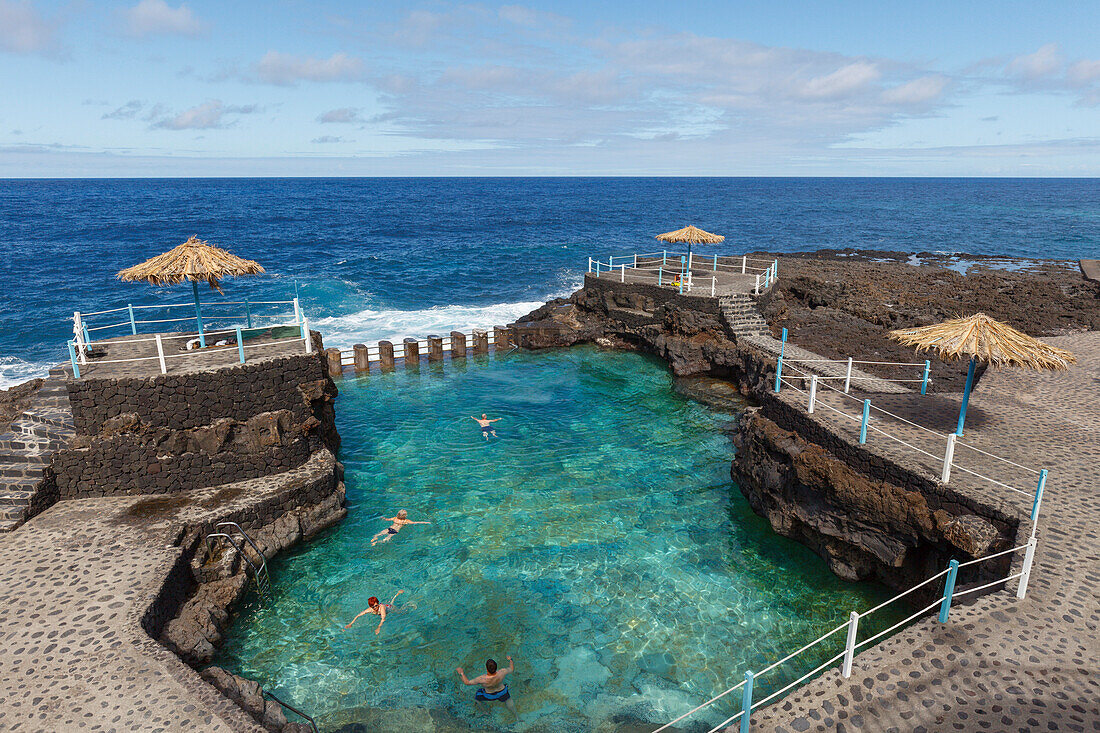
(867, 517)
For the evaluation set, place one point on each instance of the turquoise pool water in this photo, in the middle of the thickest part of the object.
(599, 541)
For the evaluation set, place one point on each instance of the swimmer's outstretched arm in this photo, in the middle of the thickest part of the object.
(382, 613)
(395, 595)
(475, 681)
(511, 665)
(365, 610)
(496, 419)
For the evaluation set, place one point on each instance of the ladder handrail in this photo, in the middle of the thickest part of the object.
(263, 560)
(241, 552)
(293, 709)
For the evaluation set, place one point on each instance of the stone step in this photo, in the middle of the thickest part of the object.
(14, 469)
(33, 430)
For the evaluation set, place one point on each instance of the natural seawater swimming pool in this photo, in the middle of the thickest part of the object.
(599, 541)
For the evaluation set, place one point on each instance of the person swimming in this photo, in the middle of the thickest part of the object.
(486, 424)
(492, 686)
(378, 609)
(398, 522)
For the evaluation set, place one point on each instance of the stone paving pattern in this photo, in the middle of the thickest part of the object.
(999, 664)
(75, 585)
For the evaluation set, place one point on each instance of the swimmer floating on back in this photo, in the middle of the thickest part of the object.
(390, 532)
(378, 609)
(486, 424)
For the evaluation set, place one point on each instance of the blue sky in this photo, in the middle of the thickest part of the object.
(161, 88)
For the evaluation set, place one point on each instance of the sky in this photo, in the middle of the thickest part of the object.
(619, 87)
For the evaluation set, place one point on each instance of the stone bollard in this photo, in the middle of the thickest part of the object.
(481, 342)
(412, 352)
(335, 367)
(362, 359)
(458, 345)
(435, 348)
(385, 356)
(502, 337)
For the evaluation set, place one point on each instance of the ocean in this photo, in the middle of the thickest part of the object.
(376, 258)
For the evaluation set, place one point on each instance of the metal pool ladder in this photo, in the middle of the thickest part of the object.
(292, 709)
(259, 574)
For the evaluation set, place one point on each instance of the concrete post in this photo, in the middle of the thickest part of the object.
(385, 356)
(502, 338)
(335, 368)
(435, 348)
(1029, 558)
(481, 342)
(362, 358)
(458, 345)
(412, 352)
(850, 645)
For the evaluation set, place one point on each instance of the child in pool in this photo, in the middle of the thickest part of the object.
(378, 609)
(390, 532)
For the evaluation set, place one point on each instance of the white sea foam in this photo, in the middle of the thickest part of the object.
(14, 370)
(368, 326)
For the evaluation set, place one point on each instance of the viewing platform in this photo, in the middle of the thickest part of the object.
(690, 273)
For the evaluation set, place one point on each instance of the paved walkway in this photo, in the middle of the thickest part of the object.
(75, 582)
(799, 363)
(999, 664)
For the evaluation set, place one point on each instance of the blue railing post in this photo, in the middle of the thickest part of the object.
(948, 590)
(248, 312)
(240, 344)
(716, 263)
(664, 257)
(598, 263)
(866, 419)
(133, 323)
(783, 343)
(72, 358)
(1038, 495)
(87, 336)
(746, 703)
(778, 373)
(660, 275)
(924, 384)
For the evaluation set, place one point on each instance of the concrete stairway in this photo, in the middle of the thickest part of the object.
(43, 428)
(742, 316)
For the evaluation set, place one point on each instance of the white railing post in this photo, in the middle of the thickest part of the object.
(305, 335)
(297, 311)
(813, 393)
(1029, 558)
(689, 260)
(590, 264)
(948, 456)
(635, 262)
(758, 283)
(689, 279)
(713, 285)
(622, 277)
(850, 645)
(160, 355)
(848, 377)
(744, 263)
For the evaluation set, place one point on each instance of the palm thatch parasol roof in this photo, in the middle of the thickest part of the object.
(194, 260)
(983, 339)
(691, 235)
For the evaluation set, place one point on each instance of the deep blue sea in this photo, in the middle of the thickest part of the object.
(374, 258)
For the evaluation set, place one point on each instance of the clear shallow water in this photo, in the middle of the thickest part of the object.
(599, 541)
(381, 258)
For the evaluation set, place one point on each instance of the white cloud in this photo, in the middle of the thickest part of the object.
(344, 115)
(329, 139)
(1083, 72)
(154, 17)
(24, 30)
(127, 111)
(207, 116)
(1043, 62)
(845, 80)
(918, 91)
(284, 69)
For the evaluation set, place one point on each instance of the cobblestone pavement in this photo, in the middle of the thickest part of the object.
(998, 664)
(74, 584)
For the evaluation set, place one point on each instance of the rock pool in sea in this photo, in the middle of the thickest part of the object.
(599, 541)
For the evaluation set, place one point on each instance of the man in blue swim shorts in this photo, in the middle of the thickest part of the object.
(486, 424)
(492, 687)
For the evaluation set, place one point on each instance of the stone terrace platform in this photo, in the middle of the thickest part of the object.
(75, 585)
(999, 664)
(726, 282)
(104, 360)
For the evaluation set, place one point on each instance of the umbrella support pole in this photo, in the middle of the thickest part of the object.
(966, 397)
(198, 314)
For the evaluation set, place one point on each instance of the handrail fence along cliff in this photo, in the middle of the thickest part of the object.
(852, 645)
(250, 319)
(685, 271)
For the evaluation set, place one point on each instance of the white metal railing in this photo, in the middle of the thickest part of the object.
(234, 338)
(852, 645)
(687, 272)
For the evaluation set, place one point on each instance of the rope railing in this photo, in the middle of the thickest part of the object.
(852, 643)
(685, 272)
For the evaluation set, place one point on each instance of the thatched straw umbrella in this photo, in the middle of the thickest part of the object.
(691, 235)
(194, 260)
(983, 339)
